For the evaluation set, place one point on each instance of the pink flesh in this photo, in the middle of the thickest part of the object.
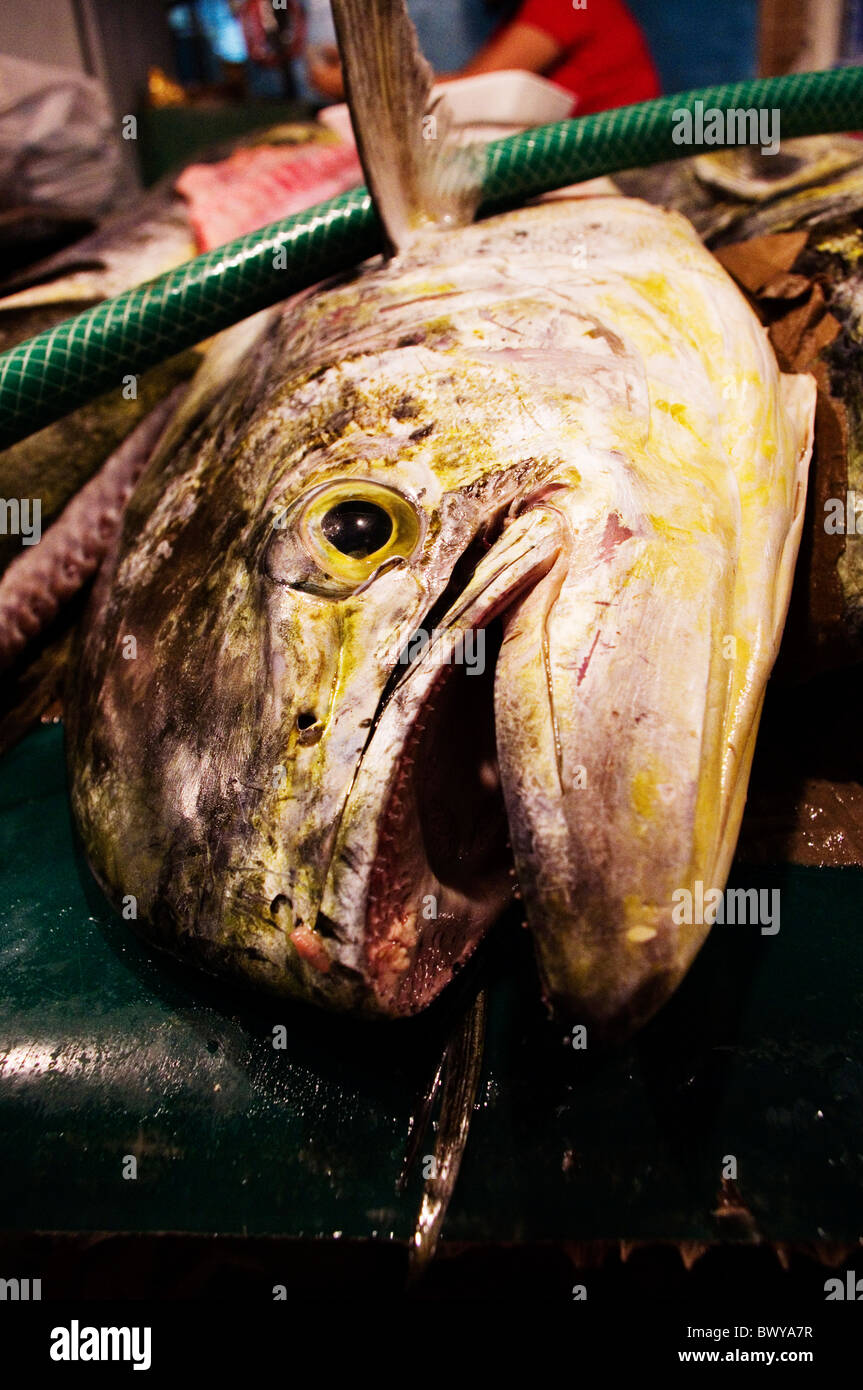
(257, 186)
(50, 573)
(395, 944)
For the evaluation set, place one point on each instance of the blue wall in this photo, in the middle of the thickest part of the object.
(450, 31)
(451, 34)
(695, 44)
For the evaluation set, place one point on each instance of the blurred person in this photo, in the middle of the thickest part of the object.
(597, 52)
(273, 39)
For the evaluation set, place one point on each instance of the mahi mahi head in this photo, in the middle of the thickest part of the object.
(489, 546)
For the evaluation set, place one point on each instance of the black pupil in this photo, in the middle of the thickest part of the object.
(357, 529)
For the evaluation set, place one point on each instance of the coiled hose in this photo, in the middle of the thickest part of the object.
(45, 377)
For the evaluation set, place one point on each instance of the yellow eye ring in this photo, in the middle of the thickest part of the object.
(353, 526)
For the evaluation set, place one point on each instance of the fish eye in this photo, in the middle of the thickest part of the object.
(357, 528)
(335, 538)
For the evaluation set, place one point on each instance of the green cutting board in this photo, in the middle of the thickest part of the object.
(107, 1050)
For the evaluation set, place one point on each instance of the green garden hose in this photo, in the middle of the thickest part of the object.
(45, 377)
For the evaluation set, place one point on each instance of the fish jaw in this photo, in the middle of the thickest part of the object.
(419, 873)
(628, 691)
(603, 715)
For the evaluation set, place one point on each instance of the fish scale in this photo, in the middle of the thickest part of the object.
(663, 515)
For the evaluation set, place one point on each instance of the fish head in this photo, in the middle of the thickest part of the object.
(478, 546)
(282, 728)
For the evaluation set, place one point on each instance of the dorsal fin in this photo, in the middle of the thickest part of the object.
(417, 172)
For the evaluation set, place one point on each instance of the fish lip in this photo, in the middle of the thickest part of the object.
(611, 1024)
(380, 869)
(433, 890)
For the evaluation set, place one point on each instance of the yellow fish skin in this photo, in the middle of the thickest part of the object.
(575, 430)
(630, 681)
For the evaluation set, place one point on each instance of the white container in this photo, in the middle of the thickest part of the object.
(487, 106)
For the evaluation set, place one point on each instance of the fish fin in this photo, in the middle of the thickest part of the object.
(34, 693)
(417, 172)
(798, 395)
(43, 579)
(419, 1124)
(461, 1077)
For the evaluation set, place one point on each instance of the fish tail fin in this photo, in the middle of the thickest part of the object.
(462, 1069)
(417, 171)
(798, 395)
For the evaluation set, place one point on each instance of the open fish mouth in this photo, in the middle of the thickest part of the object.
(442, 860)
(437, 869)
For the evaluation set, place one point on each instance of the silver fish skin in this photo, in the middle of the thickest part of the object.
(573, 429)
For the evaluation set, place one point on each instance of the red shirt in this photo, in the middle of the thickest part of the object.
(605, 59)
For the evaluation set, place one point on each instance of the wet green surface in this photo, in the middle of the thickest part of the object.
(106, 1051)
